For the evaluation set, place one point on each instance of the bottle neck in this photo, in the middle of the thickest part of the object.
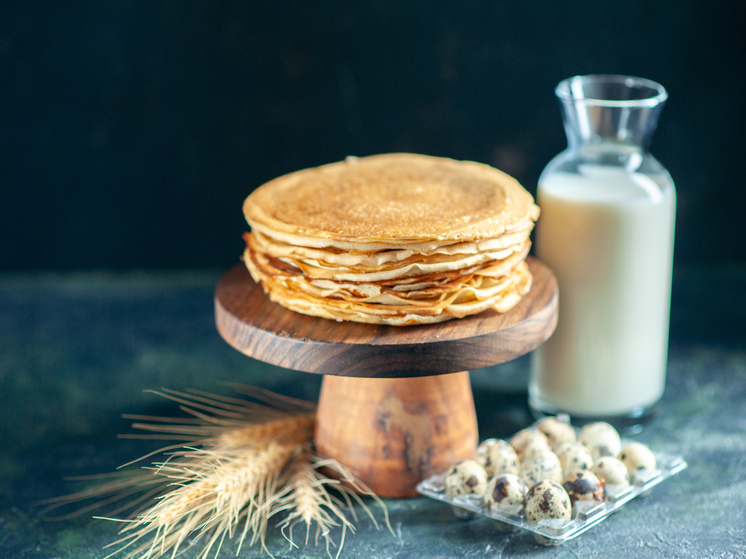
(623, 128)
(617, 112)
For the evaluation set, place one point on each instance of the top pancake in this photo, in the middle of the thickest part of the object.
(390, 200)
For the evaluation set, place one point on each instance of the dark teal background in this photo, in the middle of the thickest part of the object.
(130, 132)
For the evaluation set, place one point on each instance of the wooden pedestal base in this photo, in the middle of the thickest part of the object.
(393, 433)
(392, 407)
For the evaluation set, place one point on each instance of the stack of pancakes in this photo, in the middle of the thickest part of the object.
(395, 239)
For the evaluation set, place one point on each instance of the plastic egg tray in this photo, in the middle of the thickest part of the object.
(585, 515)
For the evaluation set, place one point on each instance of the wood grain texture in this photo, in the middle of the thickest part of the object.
(251, 323)
(393, 433)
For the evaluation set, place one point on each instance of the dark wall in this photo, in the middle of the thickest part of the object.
(130, 132)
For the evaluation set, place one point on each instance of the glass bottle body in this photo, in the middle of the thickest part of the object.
(606, 230)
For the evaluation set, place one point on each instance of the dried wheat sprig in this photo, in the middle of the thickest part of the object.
(307, 499)
(209, 496)
(241, 463)
(213, 494)
(357, 488)
(248, 422)
(294, 428)
(230, 436)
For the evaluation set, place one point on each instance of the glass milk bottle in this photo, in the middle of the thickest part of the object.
(606, 230)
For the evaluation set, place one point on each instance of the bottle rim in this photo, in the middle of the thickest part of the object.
(638, 92)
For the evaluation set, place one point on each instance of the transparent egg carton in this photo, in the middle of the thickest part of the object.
(585, 514)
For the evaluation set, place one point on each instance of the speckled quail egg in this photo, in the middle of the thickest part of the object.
(524, 437)
(497, 457)
(546, 466)
(505, 489)
(601, 439)
(547, 499)
(636, 456)
(485, 446)
(534, 449)
(582, 485)
(611, 471)
(574, 456)
(556, 431)
(465, 478)
(564, 446)
(483, 451)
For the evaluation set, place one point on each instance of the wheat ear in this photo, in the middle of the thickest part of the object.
(237, 464)
(211, 495)
(307, 499)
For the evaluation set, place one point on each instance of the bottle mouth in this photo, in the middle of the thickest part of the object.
(608, 90)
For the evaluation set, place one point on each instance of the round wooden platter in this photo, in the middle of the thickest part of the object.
(251, 323)
(396, 405)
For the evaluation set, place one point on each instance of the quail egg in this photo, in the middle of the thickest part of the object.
(562, 448)
(497, 457)
(546, 500)
(505, 489)
(483, 451)
(465, 478)
(484, 447)
(556, 431)
(524, 437)
(601, 439)
(574, 456)
(611, 471)
(636, 456)
(582, 485)
(534, 449)
(545, 466)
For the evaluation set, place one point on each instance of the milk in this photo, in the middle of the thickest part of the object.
(608, 236)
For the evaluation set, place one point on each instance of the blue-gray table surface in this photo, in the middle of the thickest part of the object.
(79, 350)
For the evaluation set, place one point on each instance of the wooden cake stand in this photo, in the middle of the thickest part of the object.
(396, 403)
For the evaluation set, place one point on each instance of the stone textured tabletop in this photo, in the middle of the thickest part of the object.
(77, 351)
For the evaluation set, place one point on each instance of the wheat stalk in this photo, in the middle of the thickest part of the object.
(212, 495)
(308, 502)
(238, 464)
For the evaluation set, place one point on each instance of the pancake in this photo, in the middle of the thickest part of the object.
(389, 200)
(406, 314)
(482, 279)
(395, 239)
(376, 258)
